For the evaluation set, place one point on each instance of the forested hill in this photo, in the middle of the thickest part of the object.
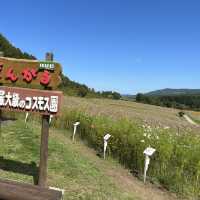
(171, 92)
(10, 51)
(180, 101)
(68, 87)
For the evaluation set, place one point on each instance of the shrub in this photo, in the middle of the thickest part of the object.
(181, 113)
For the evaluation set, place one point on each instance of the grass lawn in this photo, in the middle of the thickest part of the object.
(68, 168)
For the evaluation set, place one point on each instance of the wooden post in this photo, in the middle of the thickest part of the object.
(0, 123)
(1, 55)
(44, 143)
(44, 152)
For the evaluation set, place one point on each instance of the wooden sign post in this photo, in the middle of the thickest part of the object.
(44, 145)
(1, 55)
(22, 75)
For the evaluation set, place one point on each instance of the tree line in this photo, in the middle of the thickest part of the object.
(10, 51)
(191, 102)
(73, 88)
(68, 86)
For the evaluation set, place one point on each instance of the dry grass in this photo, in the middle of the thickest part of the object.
(116, 109)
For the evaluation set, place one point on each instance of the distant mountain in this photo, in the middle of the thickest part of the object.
(163, 92)
(128, 97)
(183, 99)
(171, 92)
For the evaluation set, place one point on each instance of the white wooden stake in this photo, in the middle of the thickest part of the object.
(105, 138)
(147, 152)
(104, 149)
(146, 166)
(26, 117)
(50, 119)
(75, 128)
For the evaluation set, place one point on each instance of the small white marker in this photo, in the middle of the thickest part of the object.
(105, 138)
(75, 128)
(26, 117)
(50, 118)
(149, 151)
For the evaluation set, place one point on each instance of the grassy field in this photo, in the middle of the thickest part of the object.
(135, 126)
(68, 168)
(143, 113)
(83, 175)
(71, 166)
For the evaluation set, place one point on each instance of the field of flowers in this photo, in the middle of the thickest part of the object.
(138, 112)
(176, 163)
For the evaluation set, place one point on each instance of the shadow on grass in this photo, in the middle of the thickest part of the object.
(29, 169)
(3, 118)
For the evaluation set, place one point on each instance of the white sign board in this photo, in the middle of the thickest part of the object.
(107, 136)
(76, 124)
(149, 151)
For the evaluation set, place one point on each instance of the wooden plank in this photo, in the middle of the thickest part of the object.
(34, 71)
(10, 190)
(30, 100)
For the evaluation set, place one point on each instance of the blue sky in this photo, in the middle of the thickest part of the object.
(125, 45)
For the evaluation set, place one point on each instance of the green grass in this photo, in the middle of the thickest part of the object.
(68, 168)
(175, 165)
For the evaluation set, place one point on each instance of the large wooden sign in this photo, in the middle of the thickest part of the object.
(29, 73)
(30, 100)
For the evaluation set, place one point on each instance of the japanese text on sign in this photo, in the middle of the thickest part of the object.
(38, 74)
(34, 101)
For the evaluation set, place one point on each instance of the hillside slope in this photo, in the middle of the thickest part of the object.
(72, 166)
(150, 114)
(10, 51)
(164, 92)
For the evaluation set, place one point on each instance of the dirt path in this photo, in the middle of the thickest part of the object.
(190, 120)
(120, 176)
